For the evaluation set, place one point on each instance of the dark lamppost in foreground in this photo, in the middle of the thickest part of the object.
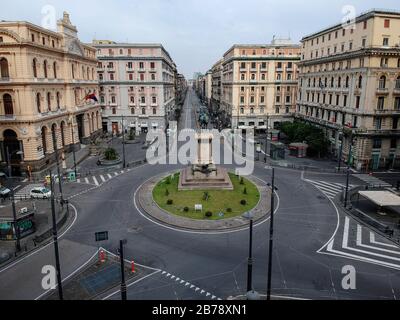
(249, 216)
(16, 226)
(271, 234)
(123, 143)
(121, 257)
(55, 239)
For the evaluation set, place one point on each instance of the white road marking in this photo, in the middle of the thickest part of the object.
(109, 175)
(360, 244)
(102, 178)
(372, 240)
(115, 174)
(95, 181)
(78, 181)
(87, 180)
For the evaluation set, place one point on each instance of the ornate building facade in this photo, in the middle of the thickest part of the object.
(349, 85)
(137, 86)
(45, 77)
(259, 80)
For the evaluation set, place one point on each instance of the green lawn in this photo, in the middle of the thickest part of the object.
(219, 200)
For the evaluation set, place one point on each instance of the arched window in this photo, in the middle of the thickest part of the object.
(242, 110)
(8, 105)
(4, 68)
(143, 110)
(397, 85)
(339, 83)
(45, 68)
(83, 72)
(44, 140)
(48, 101)
(360, 82)
(62, 127)
(34, 68)
(154, 111)
(88, 73)
(132, 110)
(332, 82)
(382, 82)
(251, 110)
(55, 70)
(58, 100)
(54, 136)
(347, 81)
(38, 98)
(73, 71)
(93, 74)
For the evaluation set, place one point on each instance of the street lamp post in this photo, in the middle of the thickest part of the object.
(121, 256)
(271, 236)
(346, 196)
(58, 167)
(73, 146)
(16, 226)
(266, 139)
(249, 216)
(123, 143)
(55, 240)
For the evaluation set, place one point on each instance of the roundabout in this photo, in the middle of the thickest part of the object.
(160, 201)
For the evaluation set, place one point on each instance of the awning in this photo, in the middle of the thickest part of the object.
(144, 125)
(382, 198)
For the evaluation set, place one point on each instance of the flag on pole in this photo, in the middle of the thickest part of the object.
(91, 96)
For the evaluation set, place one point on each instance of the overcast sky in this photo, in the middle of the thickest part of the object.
(195, 32)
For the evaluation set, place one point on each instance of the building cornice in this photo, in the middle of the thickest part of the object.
(362, 17)
(354, 54)
(258, 58)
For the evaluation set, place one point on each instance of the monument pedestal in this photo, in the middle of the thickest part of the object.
(196, 180)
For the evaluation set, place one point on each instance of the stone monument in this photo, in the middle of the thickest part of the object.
(203, 174)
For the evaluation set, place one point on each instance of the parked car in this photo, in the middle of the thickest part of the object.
(4, 192)
(40, 193)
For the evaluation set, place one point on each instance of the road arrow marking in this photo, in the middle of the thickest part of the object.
(197, 289)
(213, 297)
(168, 275)
(177, 279)
(173, 277)
(187, 283)
(192, 286)
(202, 291)
(164, 272)
(208, 294)
(182, 281)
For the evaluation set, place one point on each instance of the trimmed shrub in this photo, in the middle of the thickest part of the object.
(186, 209)
(206, 196)
(168, 180)
(243, 202)
(166, 192)
(110, 154)
(229, 210)
(209, 214)
(241, 181)
(245, 191)
(170, 201)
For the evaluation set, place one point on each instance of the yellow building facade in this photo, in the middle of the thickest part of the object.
(45, 81)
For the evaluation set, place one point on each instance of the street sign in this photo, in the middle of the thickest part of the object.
(198, 207)
(101, 236)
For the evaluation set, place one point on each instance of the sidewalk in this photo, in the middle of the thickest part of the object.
(43, 225)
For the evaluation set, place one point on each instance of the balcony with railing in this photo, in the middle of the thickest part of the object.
(7, 117)
(382, 88)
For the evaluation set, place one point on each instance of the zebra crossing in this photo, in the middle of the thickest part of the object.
(357, 242)
(99, 179)
(329, 189)
(191, 286)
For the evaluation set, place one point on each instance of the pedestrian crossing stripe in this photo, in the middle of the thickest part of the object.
(329, 189)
